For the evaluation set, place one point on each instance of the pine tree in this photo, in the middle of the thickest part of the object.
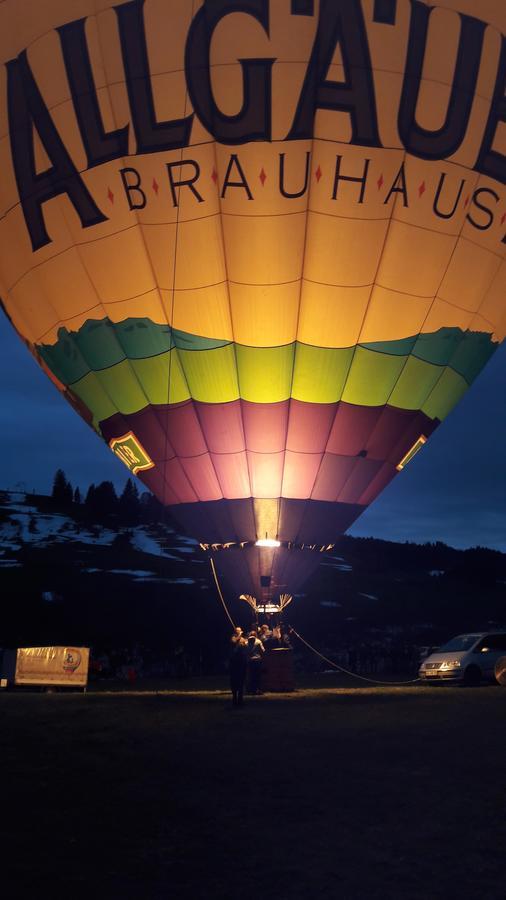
(89, 503)
(105, 500)
(60, 491)
(69, 494)
(129, 505)
(151, 508)
(77, 497)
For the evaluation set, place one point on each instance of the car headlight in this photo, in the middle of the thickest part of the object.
(451, 664)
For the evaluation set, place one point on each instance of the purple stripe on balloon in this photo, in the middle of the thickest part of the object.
(363, 472)
(153, 479)
(395, 430)
(351, 428)
(149, 428)
(233, 474)
(309, 426)
(299, 474)
(333, 474)
(181, 424)
(222, 426)
(265, 425)
(201, 474)
(325, 452)
(382, 478)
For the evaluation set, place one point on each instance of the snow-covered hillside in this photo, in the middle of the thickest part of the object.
(25, 523)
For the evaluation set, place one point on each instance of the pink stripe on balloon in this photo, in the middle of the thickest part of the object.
(222, 426)
(232, 473)
(309, 426)
(200, 473)
(266, 473)
(351, 429)
(332, 476)
(300, 473)
(265, 426)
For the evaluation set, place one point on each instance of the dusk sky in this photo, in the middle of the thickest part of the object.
(454, 491)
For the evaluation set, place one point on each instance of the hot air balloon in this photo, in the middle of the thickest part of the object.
(259, 246)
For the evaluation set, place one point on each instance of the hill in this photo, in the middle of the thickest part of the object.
(68, 575)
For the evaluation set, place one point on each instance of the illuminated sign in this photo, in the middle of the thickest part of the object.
(64, 666)
(411, 453)
(131, 452)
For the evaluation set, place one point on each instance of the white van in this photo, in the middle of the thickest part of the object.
(467, 658)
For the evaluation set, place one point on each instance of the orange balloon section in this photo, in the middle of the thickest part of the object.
(259, 246)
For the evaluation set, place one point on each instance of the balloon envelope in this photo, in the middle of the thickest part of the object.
(258, 246)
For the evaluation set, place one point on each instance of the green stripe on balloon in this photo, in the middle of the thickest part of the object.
(94, 362)
(100, 344)
(133, 390)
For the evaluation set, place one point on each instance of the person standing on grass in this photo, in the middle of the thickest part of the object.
(237, 666)
(255, 651)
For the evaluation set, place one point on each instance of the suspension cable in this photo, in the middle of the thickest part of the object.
(306, 643)
(217, 583)
(347, 671)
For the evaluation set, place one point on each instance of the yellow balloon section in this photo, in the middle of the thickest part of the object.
(259, 246)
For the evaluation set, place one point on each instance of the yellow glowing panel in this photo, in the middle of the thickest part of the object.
(131, 452)
(411, 453)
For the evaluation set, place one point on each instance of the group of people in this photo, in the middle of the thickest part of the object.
(246, 655)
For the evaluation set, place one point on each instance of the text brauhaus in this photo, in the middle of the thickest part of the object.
(447, 194)
(342, 27)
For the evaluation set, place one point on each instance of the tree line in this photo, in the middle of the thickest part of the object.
(101, 502)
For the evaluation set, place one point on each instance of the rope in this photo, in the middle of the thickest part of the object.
(215, 576)
(306, 643)
(347, 671)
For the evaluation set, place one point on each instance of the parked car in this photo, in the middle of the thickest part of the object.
(467, 658)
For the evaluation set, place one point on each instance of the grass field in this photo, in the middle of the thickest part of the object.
(339, 793)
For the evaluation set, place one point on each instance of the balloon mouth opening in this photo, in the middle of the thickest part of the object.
(267, 542)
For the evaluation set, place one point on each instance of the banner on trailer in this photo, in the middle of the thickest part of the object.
(52, 665)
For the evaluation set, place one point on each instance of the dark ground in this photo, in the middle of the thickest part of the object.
(339, 793)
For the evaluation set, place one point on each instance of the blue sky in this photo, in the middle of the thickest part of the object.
(453, 491)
